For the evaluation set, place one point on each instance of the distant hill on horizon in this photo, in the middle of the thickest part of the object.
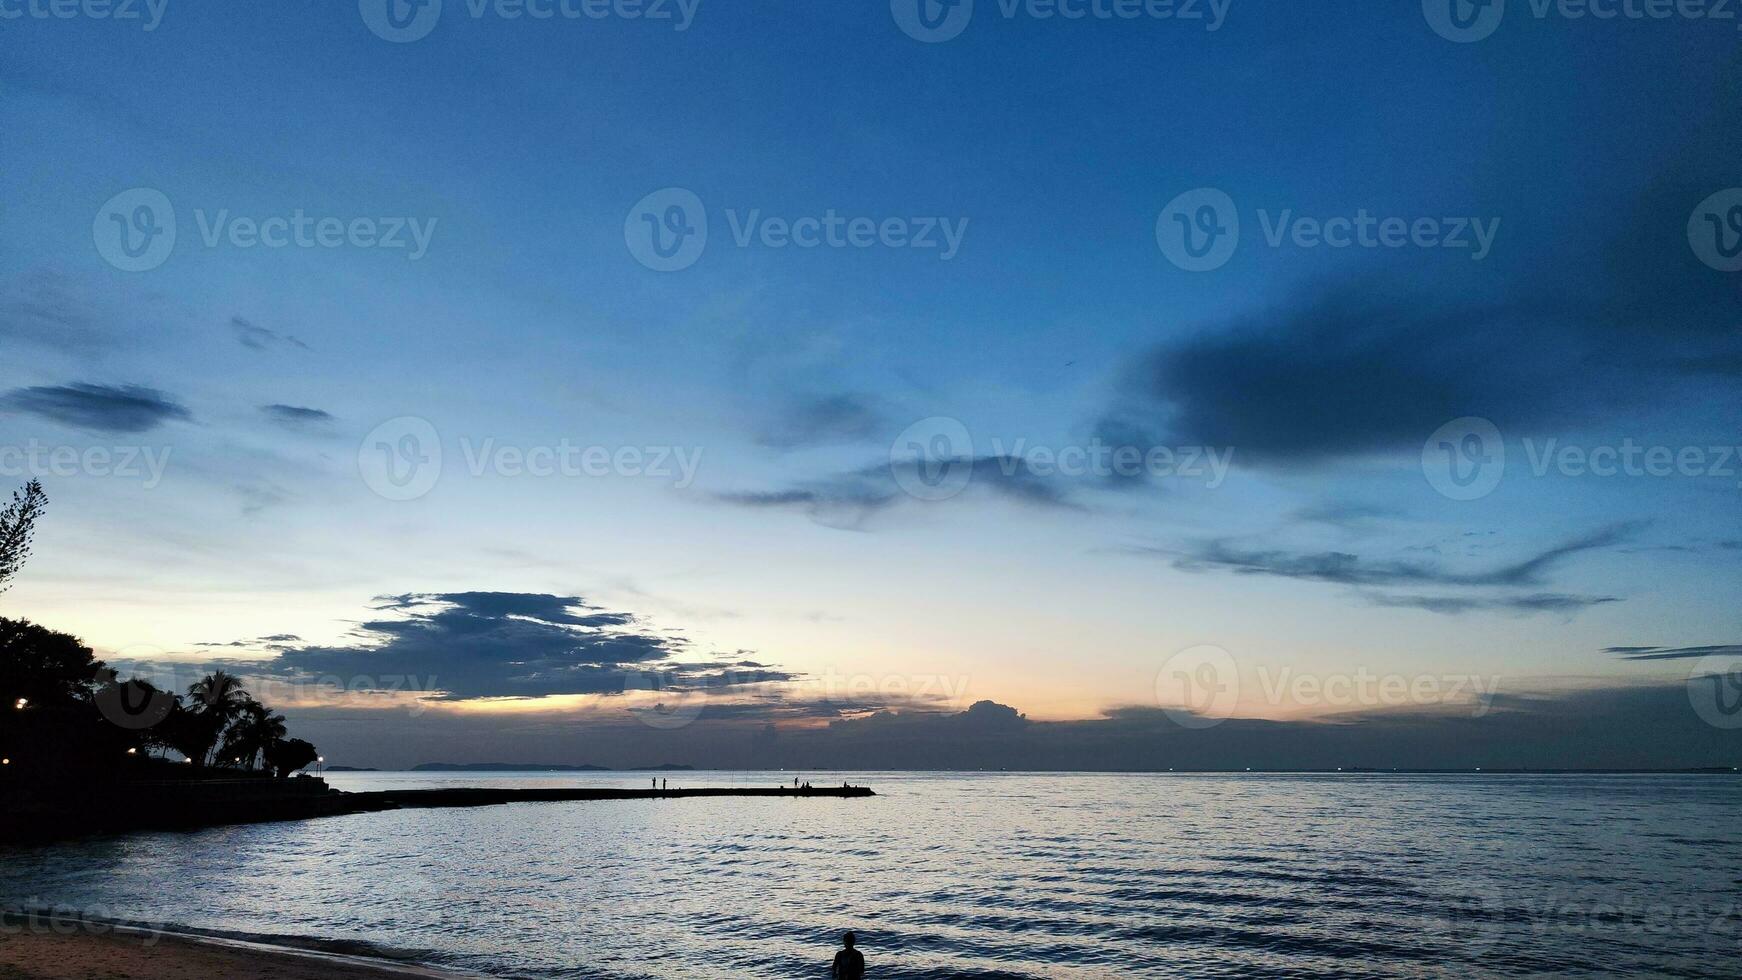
(501, 767)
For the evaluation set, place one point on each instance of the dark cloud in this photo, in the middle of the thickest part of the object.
(259, 338)
(465, 645)
(1369, 575)
(1347, 374)
(1614, 318)
(827, 420)
(102, 408)
(1344, 514)
(296, 418)
(1540, 602)
(850, 499)
(1343, 568)
(1675, 653)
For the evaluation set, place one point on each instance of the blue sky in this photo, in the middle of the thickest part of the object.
(1055, 148)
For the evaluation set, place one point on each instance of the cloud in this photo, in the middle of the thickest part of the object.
(470, 645)
(1343, 568)
(103, 408)
(1368, 575)
(256, 337)
(1675, 653)
(850, 499)
(296, 418)
(1614, 318)
(826, 420)
(1540, 602)
(1346, 374)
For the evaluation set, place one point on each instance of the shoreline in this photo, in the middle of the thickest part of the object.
(69, 948)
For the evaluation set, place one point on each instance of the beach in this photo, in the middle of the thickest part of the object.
(96, 953)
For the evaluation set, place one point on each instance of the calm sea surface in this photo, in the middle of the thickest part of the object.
(976, 875)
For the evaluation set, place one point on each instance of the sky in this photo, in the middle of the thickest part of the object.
(890, 383)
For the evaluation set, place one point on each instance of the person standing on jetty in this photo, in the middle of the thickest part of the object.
(849, 962)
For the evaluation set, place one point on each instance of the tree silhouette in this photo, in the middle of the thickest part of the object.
(17, 526)
(254, 731)
(288, 756)
(217, 699)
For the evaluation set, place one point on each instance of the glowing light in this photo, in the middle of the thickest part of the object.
(22, 704)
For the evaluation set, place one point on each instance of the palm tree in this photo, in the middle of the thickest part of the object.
(217, 700)
(253, 733)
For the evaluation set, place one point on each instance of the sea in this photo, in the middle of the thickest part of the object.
(979, 875)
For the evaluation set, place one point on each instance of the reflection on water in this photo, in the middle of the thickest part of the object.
(978, 875)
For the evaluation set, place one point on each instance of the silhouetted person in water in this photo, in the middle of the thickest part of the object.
(849, 962)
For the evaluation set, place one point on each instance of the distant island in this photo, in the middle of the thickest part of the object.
(518, 767)
(501, 767)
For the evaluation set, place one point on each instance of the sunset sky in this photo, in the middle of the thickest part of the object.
(1019, 299)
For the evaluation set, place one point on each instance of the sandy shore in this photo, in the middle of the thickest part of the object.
(33, 954)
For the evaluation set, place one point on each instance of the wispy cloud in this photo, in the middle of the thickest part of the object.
(1675, 653)
(826, 420)
(255, 337)
(297, 418)
(102, 408)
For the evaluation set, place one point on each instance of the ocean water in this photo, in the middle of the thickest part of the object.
(975, 875)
